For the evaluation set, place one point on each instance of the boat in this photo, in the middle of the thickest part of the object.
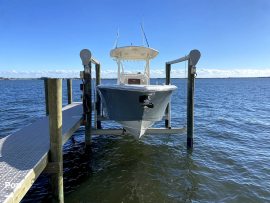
(133, 102)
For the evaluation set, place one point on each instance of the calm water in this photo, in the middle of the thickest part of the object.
(230, 161)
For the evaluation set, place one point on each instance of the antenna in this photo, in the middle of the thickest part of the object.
(144, 35)
(116, 41)
(143, 39)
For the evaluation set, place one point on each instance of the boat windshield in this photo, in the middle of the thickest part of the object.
(133, 66)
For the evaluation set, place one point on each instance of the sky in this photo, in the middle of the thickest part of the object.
(44, 37)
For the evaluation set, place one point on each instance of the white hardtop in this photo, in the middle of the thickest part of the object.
(133, 53)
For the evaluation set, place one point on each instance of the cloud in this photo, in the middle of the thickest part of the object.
(215, 73)
(222, 73)
(40, 73)
(155, 73)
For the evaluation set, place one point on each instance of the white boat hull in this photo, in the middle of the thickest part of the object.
(135, 107)
(136, 128)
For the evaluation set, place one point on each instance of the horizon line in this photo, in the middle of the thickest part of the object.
(77, 78)
(155, 73)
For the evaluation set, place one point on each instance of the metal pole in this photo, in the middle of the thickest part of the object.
(190, 104)
(178, 60)
(69, 90)
(168, 108)
(46, 95)
(55, 126)
(98, 102)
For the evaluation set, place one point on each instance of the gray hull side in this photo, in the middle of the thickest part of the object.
(124, 105)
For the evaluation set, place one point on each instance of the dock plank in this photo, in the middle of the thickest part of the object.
(24, 154)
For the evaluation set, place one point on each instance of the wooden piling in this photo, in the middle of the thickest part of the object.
(69, 90)
(168, 109)
(86, 56)
(98, 102)
(193, 58)
(88, 102)
(55, 126)
(46, 95)
(190, 105)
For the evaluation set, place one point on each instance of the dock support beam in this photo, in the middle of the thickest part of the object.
(98, 102)
(55, 126)
(168, 109)
(69, 90)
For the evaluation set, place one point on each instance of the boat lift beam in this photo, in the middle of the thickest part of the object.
(150, 131)
(192, 58)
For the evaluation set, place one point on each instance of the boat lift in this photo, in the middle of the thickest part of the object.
(94, 109)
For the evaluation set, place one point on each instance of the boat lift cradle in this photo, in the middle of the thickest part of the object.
(87, 61)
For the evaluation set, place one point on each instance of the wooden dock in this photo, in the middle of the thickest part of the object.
(24, 154)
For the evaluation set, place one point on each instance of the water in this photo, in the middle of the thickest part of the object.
(230, 161)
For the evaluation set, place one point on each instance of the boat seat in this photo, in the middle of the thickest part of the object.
(134, 81)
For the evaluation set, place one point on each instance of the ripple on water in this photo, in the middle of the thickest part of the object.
(230, 161)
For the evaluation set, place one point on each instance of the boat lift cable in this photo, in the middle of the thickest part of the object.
(144, 35)
(116, 41)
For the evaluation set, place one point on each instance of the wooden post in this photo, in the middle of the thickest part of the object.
(190, 105)
(168, 109)
(69, 90)
(55, 125)
(98, 102)
(46, 95)
(88, 102)
(86, 55)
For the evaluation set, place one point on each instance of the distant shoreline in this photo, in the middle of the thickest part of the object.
(42, 78)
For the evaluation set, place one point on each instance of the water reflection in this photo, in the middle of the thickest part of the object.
(128, 170)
